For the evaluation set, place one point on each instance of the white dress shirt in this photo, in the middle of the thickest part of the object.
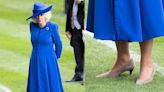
(74, 21)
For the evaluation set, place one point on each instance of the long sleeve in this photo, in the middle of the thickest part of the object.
(57, 40)
(69, 15)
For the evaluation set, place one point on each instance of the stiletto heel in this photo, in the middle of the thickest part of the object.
(128, 67)
(130, 71)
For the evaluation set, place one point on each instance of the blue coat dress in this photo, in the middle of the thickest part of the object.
(44, 75)
(126, 20)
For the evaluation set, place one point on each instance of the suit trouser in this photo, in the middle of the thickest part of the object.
(79, 48)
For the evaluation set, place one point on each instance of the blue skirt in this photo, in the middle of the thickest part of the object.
(126, 20)
(44, 75)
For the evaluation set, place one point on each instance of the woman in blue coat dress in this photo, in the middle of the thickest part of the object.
(125, 21)
(44, 75)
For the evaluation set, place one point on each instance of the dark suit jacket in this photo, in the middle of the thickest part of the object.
(80, 15)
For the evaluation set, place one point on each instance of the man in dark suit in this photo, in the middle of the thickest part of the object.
(66, 5)
(74, 28)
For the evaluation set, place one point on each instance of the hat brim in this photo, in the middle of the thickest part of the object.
(41, 12)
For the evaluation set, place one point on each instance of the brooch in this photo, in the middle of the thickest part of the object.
(47, 28)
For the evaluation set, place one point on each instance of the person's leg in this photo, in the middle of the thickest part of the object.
(79, 58)
(123, 61)
(78, 46)
(123, 55)
(79, 54)
(146, 65)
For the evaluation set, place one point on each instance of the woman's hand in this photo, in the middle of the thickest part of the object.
(68, 34)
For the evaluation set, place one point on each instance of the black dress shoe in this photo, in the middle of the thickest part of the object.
(76, 78)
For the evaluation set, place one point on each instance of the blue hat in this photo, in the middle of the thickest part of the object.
(39, 8)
